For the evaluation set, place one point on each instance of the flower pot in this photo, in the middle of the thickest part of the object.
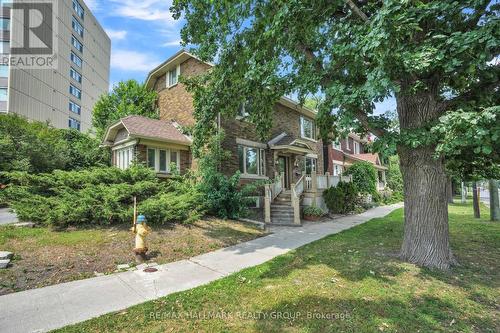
(311, 217)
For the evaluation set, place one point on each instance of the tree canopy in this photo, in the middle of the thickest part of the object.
(127, 98)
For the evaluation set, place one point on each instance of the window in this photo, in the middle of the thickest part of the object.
(173, 76)
(76, 44)
(3, 94)
(307, 129)
(78, 9)
(124, 157)
(75, 108)
(4, 23)
(77, 27)
(337, 170)
(73, 123)
(252, 161)
(356, 147)
(4, 70)
(75, 91)
(309, 165)
(336, 145)
(347, 144)
(75, 75)
(160, 159)
(245, 109)
(76, 59)
(5, 47)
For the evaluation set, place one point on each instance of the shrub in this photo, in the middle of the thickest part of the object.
(313, 211)
(364, 177)
(37, 147)
(222, 194)
(100, 196)
(342, 199)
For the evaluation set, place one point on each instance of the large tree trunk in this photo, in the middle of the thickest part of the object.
(494, 204)
(475, 200)
(426, 236)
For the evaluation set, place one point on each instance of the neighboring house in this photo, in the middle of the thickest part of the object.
(158, 143)
(343, 153)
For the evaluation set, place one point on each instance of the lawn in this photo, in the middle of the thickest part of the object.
(43, 257)
(348, 282)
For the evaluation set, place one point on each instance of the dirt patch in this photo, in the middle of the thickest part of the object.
(43, 257)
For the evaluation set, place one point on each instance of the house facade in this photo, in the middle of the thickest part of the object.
(341, 154)
(295, 165)
(291, 147)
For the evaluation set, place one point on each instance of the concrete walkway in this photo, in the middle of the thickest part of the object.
(7, 217)
(40, 310)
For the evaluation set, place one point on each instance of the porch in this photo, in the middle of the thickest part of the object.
(283, 207)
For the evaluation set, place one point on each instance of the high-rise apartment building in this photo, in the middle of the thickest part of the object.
(65, 94)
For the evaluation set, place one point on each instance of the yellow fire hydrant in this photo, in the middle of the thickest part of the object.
(141, 230)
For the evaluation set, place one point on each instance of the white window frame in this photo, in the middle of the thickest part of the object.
(124, 157)
(347, 144)
(303, 120)
(314, 164)
(177, 71)
(261, 161)
(167, 160)
(337, 145)
(357, 147)
(337, 169)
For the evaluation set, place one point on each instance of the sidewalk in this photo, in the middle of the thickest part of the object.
(6, 217)
(40, 310)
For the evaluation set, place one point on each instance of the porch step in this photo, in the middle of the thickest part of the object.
(281, 214)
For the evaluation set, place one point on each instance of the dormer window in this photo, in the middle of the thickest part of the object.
(357, 147)
(173, 76)
(307, 128)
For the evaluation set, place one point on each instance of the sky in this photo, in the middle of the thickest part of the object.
(143, 35)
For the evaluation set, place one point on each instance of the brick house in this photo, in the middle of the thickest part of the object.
(291, 148)
(340, 155)
(290, 158)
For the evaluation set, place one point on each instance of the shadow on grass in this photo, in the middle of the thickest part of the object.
(322, 314)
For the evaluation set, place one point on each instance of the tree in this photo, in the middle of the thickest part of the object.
(126, 98)
(433, 56)
(494, 202)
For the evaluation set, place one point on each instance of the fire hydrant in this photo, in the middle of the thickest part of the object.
(141, 230)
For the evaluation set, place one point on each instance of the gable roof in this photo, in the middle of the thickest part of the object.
(146, 128)
(368, 157)
(182, 55)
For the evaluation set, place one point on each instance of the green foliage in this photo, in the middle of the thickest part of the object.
(342, 199)
(313, 211)
(222, 194)
(100, 196)
(364, 177)
(127, 98)
(470, 141)
(36, 147)
(393, 175)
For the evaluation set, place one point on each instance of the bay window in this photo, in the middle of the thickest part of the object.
(124, 157)
(160, 159)
(252, 160)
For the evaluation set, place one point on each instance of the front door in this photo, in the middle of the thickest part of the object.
(284, 167)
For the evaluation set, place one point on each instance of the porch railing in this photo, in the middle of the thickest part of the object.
(297, 190)
(271, 191)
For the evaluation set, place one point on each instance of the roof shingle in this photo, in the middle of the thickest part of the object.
(153, 128)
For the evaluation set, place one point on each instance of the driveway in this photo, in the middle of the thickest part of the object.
(7, 217)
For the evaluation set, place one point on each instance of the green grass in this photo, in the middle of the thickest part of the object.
(354, 277)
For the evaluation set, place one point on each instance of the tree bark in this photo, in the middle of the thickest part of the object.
(494, 201)
(426, 235)
(475, 200)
